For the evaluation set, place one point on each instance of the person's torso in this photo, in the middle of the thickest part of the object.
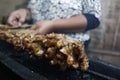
(57, 9)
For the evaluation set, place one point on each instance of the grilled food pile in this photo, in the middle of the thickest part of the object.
(57, 48)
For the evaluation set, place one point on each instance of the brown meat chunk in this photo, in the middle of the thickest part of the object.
(59, 49)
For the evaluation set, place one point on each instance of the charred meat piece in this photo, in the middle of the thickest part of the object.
(57, 48)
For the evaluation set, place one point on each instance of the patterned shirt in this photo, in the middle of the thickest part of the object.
(58, 9)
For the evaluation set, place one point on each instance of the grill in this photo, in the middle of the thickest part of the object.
(31, 69)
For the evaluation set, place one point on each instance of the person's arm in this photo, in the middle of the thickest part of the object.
(77, 24)
(73, 24)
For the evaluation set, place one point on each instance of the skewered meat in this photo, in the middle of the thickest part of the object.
(58, 48)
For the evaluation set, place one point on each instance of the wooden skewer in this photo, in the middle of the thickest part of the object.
(23, 29)
(14, 27)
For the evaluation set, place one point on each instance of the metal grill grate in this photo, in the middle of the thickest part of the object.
(35, 69)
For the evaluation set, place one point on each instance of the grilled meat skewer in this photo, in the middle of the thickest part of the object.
(59, 49)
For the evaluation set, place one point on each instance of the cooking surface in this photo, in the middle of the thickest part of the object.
(39, 69)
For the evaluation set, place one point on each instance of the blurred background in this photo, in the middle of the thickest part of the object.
(105, 43)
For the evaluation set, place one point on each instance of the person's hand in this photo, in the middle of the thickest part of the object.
(19, 17)
(43, 27)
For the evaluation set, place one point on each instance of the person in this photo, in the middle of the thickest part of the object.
(74, 18)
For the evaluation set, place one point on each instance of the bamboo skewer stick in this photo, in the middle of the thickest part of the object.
(14, 27)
